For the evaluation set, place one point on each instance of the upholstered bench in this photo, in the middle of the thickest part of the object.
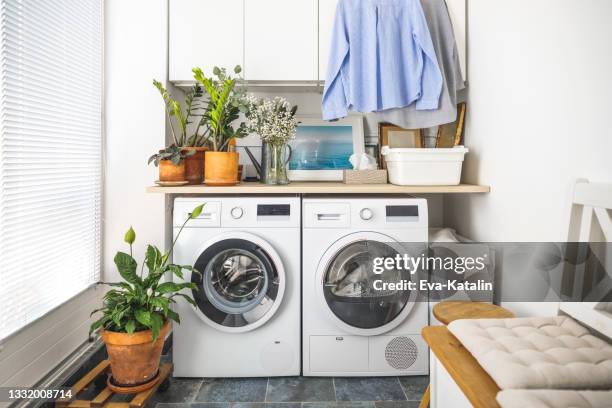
(554, 399)
(537, 353)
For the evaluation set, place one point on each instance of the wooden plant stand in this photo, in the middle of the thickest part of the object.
(98, 376)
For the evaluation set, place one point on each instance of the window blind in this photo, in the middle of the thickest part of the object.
(50, 155)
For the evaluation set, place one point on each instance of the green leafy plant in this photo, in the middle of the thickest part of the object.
(225, 102)
(140, 302)
(173, 153)
(180, 118)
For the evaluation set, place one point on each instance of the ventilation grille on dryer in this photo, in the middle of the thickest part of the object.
(401, 353)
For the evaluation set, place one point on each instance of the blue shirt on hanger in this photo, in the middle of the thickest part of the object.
(381, 57)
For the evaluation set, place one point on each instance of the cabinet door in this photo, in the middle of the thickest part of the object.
(204, 33)
(280, 40)
(327, 12)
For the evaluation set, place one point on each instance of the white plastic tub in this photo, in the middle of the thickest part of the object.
(424, 167)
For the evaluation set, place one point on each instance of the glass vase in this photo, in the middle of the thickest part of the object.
(275, 159)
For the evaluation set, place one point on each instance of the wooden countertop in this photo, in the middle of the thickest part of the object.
(447, 312)
(472, 379)
(319, 187)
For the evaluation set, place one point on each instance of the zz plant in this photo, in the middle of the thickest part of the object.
(225, 103)
(140, 302)
(180, 118)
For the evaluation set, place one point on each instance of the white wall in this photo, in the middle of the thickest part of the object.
(539, 116)
(136, 50)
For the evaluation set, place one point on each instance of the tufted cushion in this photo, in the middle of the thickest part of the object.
(537, 353)
(554, 399)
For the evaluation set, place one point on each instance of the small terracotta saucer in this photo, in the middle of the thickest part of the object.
(135, 389)
(171, 183)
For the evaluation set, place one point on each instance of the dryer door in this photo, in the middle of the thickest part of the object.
(241, 282)
(346, 284)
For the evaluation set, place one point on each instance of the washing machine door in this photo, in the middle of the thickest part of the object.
(241, 282)
(345, 284)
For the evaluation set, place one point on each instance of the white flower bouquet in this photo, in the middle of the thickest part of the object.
(272, 119)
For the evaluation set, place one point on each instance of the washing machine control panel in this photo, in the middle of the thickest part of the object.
(273, 210)
(237, 212)
(366, 214)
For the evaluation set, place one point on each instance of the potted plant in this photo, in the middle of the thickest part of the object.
(136, 314)
(190, 140)
(225, 102)
(171, 162)
(275, 123)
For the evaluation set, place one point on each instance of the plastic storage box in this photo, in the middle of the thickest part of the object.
(424, 167)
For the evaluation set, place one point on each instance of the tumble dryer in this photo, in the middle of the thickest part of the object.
(247, 319)
(352, 324)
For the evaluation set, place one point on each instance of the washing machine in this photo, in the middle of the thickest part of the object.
(247, 319)
(352, 325)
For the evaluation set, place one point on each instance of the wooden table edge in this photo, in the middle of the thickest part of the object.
(462, 367)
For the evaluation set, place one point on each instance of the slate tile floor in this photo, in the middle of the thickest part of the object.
(293, 392)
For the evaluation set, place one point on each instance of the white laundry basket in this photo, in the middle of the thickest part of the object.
(424, 167)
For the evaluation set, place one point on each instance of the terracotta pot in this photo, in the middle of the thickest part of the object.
(169, 171)
(134, 359)
(221, 168)
(194, 165)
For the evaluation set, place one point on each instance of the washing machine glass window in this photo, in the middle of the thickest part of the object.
(350, 290)
(238, 283)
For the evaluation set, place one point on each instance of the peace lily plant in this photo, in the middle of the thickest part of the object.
(136, 312)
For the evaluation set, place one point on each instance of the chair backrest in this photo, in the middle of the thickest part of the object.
(590, 221)
(591, 202)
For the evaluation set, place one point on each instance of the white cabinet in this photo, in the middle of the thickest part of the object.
(327, 11)
(280, 40)
(204, 33)
(274, 40)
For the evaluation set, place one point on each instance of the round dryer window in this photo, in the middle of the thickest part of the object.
(357, 295)
(238, 284)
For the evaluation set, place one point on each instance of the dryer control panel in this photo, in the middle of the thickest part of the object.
(367, 213)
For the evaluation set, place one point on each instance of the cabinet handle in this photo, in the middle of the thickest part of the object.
(339, 338)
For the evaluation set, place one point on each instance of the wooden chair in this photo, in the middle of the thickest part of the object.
(590, 221)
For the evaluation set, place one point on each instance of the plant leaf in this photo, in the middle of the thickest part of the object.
(122, 285)
(98, 323)
(195, 213)
(130, 326)
(168, 287)
(176, 270)
(143, 317)
(153, 258)
(156, 323)
(126, 265)
(189, 299)
(174, 316)
(160, 302)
